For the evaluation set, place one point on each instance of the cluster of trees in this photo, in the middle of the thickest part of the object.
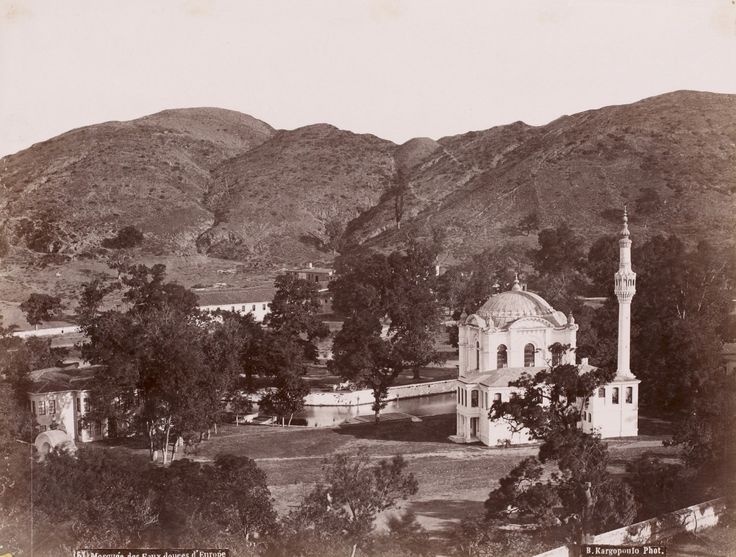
(171, 371)
(103, 498)
(390, 316)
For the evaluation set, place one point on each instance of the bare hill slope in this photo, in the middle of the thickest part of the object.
(671, 158)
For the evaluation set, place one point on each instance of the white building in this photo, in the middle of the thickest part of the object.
(59, 399)
(254, 300)
(512, 334)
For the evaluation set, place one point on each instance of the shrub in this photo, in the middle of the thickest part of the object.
(128, 237)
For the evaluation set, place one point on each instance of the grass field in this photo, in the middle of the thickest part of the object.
(454, 480)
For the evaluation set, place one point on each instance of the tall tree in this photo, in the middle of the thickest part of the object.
(294, 312)
(559, 264)
(391, 316)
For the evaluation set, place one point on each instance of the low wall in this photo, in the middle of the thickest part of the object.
(689, 519)
(52, 331)
(365, 396)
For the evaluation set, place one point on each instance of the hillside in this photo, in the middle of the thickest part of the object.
(272, 202)
(68, 193)
(215, 191)
(671, 158)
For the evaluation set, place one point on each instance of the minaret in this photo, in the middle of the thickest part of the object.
(625, 288)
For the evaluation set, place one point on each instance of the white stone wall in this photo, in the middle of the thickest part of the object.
(51, 331)
(365, 396)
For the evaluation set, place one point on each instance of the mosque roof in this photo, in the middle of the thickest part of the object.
(502, 376)
(506, 307)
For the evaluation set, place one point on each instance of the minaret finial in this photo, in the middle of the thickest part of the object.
(625, 229)
(516, 287)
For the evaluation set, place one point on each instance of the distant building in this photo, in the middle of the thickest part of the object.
(59, 399)
(255, 300)
(511, 334)
(321, 276)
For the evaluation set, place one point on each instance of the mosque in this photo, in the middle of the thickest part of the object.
(512, 334)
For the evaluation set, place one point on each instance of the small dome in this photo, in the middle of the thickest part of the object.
(48, 440)
(505, 308)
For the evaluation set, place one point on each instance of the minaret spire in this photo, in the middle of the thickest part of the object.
(624, 288)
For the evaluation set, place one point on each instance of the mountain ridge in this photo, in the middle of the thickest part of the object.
(219, 184)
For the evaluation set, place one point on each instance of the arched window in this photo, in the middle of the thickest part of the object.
(557, 352)
(529, 351)
(501, 356)
(477, 355)
(474, 399)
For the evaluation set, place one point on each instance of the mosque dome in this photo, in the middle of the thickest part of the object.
(506, 307)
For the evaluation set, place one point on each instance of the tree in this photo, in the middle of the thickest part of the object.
(399, 191)
(601, 265)
(468, 286)
(41, 307)
(341, 509)
(294, 312)
(287, 398)
(581, 497)
(334, 234)
(706, 434)
(559, 264)
(222, 505)
(288, 345)
(127, 237)
(391, 316)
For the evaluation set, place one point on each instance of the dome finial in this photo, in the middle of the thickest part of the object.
(516, 287)
(625, 229)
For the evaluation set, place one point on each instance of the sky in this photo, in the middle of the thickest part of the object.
(394, 68)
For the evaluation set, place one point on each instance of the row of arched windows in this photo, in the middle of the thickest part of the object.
(502, 357)
(475, 398)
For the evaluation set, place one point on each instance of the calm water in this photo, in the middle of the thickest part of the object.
(419, 406)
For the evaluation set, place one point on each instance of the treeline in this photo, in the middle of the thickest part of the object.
(99, 498)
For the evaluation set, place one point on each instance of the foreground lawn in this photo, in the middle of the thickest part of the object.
(454, 480)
